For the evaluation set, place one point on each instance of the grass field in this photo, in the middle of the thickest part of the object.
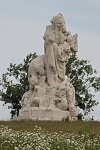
(56, 126)
(49, 135)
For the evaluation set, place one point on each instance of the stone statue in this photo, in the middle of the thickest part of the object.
(58, 43)
(51, 96)
(54, 39)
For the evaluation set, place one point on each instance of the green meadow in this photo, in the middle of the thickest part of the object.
(49, 135)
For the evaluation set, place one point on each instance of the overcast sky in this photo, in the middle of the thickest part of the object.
(23, 23)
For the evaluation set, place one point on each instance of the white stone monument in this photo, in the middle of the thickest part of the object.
(51, 96)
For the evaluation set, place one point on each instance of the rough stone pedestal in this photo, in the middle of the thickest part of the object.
(41, 114)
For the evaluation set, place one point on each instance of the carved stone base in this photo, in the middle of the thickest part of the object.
(43, 114)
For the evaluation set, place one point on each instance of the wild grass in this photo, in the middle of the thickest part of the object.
(49, 135)
(56, 126)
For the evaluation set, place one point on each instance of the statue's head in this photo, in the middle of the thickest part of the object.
(59, 22)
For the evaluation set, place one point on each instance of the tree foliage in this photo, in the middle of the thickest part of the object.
(15, 82)
(83, 77)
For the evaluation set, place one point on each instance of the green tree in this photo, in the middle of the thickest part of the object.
(83, 77)
(14, 83)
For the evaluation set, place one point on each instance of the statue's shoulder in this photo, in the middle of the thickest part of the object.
(49, 27)
(49, 30)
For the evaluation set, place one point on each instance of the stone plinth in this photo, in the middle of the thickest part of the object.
(41, 114)
(48, 114)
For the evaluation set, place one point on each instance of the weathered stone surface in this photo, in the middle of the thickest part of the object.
(51, 96)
